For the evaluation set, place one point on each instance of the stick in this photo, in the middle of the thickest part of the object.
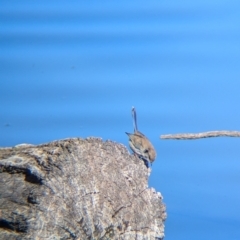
(184, 136)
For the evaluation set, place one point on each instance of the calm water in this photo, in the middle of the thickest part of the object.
(75, 70)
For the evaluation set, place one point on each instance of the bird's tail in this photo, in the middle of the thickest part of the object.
(134, 116)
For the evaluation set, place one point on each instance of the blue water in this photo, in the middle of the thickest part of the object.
(75, 69)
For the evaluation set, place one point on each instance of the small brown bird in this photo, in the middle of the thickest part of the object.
(140, 144)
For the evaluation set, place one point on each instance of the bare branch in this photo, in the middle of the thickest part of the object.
(184, 136)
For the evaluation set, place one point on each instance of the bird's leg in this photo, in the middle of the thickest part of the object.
(146, 162)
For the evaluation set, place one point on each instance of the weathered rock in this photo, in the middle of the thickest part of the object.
(77, 189)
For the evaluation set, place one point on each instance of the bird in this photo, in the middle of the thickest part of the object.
(139, 143)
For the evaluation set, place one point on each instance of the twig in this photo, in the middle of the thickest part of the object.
(184, 136)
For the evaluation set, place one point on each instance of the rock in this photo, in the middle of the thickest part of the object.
(77, 189)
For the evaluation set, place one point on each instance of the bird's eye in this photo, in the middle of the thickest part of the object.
(146, 151)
